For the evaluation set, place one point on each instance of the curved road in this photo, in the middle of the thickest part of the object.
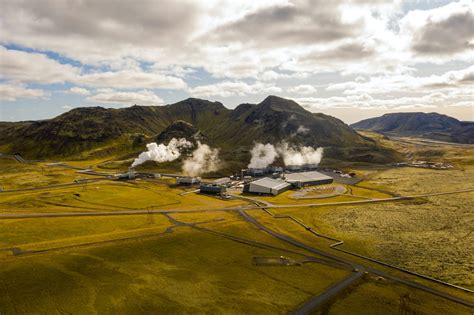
(356, 267)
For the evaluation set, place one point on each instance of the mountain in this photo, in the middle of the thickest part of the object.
(273, 120)
(179, 129)
(427, 125)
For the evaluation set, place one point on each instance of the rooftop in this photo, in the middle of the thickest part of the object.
(270, 183)
(305, 176)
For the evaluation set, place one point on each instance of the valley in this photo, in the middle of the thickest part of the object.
(146, 238)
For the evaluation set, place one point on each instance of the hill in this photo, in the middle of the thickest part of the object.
(234, 131)
(427, 125)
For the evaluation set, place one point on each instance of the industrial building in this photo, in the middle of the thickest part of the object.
(187, 180)
(275, 169)
(307, 179)
(309, 166)
(131, 174)
(293, 168)
(267, 185)
(256, 171)
(212, 189)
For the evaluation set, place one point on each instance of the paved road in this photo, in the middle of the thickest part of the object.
(5, 216)
(82, 182)
(327, 295)
(261, 206)
(356, 267)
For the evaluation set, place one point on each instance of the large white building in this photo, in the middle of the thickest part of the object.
(267, 186)
(307, 178)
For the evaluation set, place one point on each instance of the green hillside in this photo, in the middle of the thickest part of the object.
(427, 125)
(127, 130)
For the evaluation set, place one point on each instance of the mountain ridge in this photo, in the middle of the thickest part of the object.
(273, 120)
(426, 125)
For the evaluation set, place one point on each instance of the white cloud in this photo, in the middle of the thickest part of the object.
(143, 97)
(79, 91)
(303, 89)
(165, 44)
(228, 89)
(9, 92)
(443, 31)
(129, 79)
(389, 102)
(26, 67)
(407, 83)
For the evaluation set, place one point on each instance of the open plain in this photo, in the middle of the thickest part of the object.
(151, 246)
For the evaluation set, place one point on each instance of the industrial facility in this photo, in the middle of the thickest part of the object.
(267, 186)
(307, 178)
(187, 180)
(212, 189)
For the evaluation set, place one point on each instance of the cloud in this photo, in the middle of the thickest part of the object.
(9, 92)
(27, 67)
(345, 52)
(407, 83)
(144, 97)
(292, 23)
(304, 89)
(241, 47)
(79, 91)
(130, 79)
(228, 89)
(389, 102)
(92, 31)
(441, 31)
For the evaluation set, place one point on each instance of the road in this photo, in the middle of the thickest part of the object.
(327, 295)
(260, 205)
(355, 266)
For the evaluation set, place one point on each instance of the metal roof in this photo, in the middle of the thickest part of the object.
(270, 183)
(306, 177)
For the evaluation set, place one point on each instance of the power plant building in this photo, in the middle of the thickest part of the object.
(307, 179)
(256, 171)
(267, 186)
(187, 180)
(212, 189)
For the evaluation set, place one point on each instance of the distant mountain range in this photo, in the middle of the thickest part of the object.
(96, 132)
(426, 125)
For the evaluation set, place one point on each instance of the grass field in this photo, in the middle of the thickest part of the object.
(431, 235)
(185, 271)
(155, 263)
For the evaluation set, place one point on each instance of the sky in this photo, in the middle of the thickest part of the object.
(351, 59)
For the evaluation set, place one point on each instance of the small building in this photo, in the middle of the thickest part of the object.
(187, 180)
(256, 171)
(266, 185)
(307, 179)
(275, 169)
(212, 189)
(131, 174)
(293, 168)
(310, 166)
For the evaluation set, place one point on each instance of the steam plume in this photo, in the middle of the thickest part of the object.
(262, 155)
(162, 153)
(203, 160)
(300, 156)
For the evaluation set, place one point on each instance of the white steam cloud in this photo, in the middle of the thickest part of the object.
(203, 160)
(162, 153)
(301, 155)
(265, 154)
(262, 155)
